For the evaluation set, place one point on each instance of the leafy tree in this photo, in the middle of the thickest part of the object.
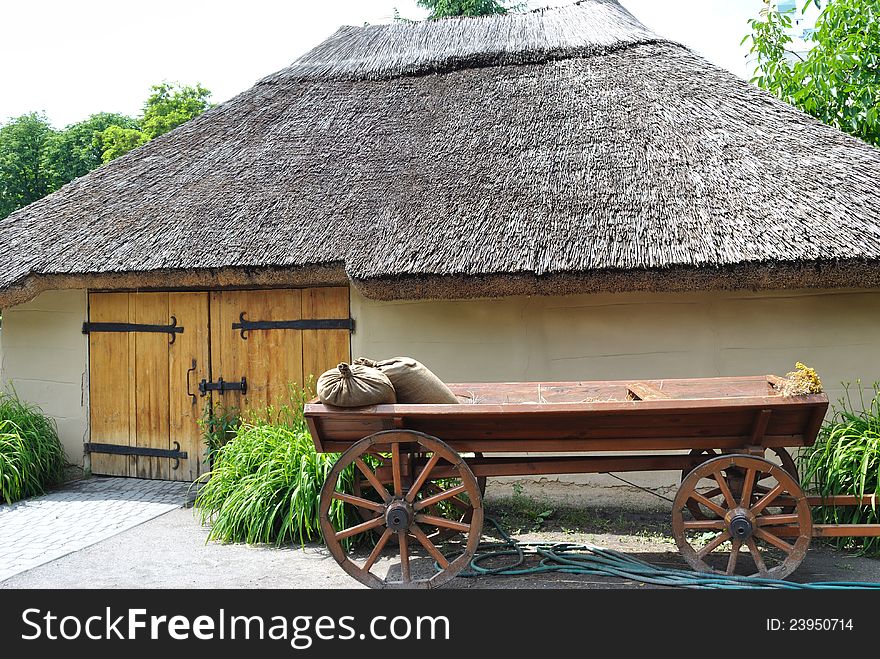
(35, 159)
(24, 176)
(172, 104)
(838, 81)
(117, 140)
(80, 147)
(446, 8)
(169, 106)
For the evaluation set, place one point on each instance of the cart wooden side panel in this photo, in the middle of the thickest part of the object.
(591, 416)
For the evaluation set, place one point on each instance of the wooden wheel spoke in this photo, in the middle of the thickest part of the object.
(395, 469)
(427, 544)
(765, 500)
(437, 498)
(711, 505)
(377, 550)
(442, 521)
(734, 554)
(423, 476)
(455, 501)
(774, 540)
(361, 528)
(710, 524)
(748, 483)
(371, 477)
(404, 555)
(776, 520)
(359, 502)
(725, 489)
(713, 545)
(756, 557)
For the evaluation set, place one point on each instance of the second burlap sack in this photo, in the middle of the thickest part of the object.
(355, 386)
(413, 381)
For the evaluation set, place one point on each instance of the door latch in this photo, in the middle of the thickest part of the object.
(222, 386)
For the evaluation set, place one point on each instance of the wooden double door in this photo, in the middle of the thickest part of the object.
(159, 360)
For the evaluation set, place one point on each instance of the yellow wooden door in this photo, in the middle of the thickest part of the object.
(273, 359)
(144, 387)
(138, 383)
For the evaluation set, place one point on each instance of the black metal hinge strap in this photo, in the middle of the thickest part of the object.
(143, 451)
(303, 324)
(171, 329)
(222, 386)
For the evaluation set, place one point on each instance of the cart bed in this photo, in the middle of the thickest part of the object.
(692, 413)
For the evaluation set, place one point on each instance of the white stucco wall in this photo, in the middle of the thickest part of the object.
(630, 336)
(44, 356)
(608, 336)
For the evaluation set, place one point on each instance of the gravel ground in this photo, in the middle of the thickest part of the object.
(172, 551)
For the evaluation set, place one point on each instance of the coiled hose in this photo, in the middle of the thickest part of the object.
(572, 558)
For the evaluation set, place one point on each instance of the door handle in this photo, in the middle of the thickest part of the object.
(188, 393)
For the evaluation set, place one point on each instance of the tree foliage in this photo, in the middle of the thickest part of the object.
(36, 159)
(447, 8)
(168, 106)
(24, 176)
(172, 104)
(838, 80)
(118, 140)
(80, 147)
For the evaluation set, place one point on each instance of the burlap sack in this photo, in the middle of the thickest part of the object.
(413, 381)
(354, 386)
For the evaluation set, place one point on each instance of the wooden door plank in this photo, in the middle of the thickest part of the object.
(282, 349)
(151, 384)
(272, 358)
(227, 352)
(110, 380)
(324, 349)
(188, 363)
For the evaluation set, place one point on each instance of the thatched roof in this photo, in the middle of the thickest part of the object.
(561, 150)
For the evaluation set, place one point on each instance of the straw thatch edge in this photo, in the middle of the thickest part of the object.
(205, 279)
(753, 277)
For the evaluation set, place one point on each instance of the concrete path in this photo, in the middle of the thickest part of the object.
(172, 551)
(80, 514)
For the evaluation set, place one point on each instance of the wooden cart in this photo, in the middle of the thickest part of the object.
(419, 470)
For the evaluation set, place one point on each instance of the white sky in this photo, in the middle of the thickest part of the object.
(71, 59)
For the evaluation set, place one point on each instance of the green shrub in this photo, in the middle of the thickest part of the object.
(31, 456)
(266, 481)
(846, 460)
(218, 425)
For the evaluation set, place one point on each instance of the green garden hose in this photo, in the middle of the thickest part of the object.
(572, 558)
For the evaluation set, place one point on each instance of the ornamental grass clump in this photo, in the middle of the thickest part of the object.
(266, 481)
(31, 455)
(846, 460)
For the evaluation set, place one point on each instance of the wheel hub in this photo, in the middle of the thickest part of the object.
(398, 515)
(740, 524)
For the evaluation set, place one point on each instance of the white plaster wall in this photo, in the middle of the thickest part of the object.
(630, 336)
(607, 336)
(45, 358)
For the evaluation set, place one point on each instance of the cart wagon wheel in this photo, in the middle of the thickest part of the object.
(699, 512)
(400, 506)
(748, 520)
(361, 487)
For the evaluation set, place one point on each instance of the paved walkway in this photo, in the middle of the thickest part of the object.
(41, 529)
